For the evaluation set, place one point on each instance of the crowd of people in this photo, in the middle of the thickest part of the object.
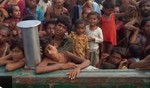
(107, 34)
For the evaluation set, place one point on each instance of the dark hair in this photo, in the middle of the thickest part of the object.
(44, 41)
(51, 21)
(119, 50)
(5, 28)
(143, 22)
(37, 1)
(107, 4)
(78, 21)
(16, 43)
(142, 2)
(10, 9)
(93, 13)
(66, 20)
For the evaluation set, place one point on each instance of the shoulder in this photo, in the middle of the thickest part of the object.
(67, 38)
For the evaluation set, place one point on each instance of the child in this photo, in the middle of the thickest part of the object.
(115, 61)
(56, 9)
(108, 26)
(15, 17)
(50, 27)
(95, 37)
(15, 59)
(61, 39)
(4, 38)
(34, 10)
(53, 60)
(80, 39)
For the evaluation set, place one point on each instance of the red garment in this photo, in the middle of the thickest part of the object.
(109, 29)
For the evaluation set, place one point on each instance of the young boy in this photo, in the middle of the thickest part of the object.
(115, 61)
(53, 60)
(95, 36)
(15, 59)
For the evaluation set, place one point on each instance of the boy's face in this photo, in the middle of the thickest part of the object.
(93, 20)
(51, 51)
(145, 9)
(16, 12)
(17, 54)
(60, 29)
(80, 29)
(50, 29)
(147, 28)
(3, 36)
(31, 3)
(116, 58)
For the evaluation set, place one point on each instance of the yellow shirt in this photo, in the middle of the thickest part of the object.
(80, 44)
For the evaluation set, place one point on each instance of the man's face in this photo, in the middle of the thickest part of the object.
(145, 9)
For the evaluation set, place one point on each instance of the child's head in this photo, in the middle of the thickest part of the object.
(17, 49)
(108, 7)
(14, 11)
(48, 49)
(4, 34)
(44, 41)
(93, 18)
(49, 27)
(117, 55)
(63, 24)
(80, 26)
(145, 25)
(32, 3)
(144, 6)
(85, 12)
(59, 2)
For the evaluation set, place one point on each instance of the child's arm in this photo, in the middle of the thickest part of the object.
(130, 25)
(44, 67)
(15, 65)
(141, 64)
(82, 64)
(123, 63)
(102, 60)
(86, 48)
(133, 38)
(6, 59)
(97, 39)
